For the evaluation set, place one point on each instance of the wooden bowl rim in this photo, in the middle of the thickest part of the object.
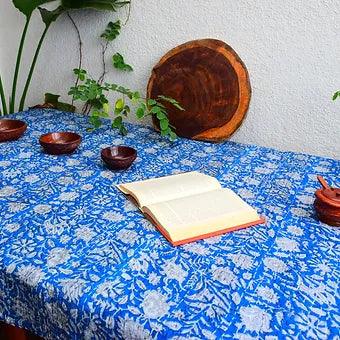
(76, 135)
(23, 124)
(326, 200)
(117, 158)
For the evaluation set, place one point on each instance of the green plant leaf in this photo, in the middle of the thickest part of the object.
(80, 73)
(85, 91)
(172, 136)
(106, 108)
(161, 115)
(28, 6)
(112, 31)
(172, 101)
(119, 104)
(123, 130)
(3, 99)
(164, 133)
(117, 122)
(119, 63)
(103, 100)
(155, 109)
(95, 121)
(151, 102)
(140, 113)
(49, 16)
(106, 5)
(104, 114)
(164, 124)
(136, 95)
(336, 95)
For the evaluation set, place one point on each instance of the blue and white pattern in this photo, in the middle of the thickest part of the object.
(78, 261)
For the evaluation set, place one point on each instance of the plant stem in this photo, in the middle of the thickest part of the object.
(80, 43)
(103, 55)
(34, 61)
(3, 99)
(17, 65)
(128, 15)
(88, 107)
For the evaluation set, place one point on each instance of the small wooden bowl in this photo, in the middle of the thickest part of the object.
(118, 157)
(327, 204)
(59, 143)
(11, 129)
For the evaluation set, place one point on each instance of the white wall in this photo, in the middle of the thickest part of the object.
(291, 49)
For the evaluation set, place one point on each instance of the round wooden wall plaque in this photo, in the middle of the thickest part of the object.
(210, 81)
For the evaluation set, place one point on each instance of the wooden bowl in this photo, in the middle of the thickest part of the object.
(327, 203)
(59, 143)
(118, 157)
(11, 129)
(327, 206)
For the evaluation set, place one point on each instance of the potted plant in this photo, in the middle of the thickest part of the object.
(27, 7)
(94, 93)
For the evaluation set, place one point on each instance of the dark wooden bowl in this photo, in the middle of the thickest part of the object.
(11, 129)
(118, 157)
(327, 206)
(59, 143)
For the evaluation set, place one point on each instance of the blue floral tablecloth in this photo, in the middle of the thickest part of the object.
(78, 261)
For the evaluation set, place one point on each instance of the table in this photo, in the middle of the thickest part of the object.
(78, 261)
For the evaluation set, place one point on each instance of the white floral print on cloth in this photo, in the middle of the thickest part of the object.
(78, 261)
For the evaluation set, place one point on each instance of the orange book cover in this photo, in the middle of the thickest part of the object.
(203, 236)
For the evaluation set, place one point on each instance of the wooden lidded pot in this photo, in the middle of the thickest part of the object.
(327, 203)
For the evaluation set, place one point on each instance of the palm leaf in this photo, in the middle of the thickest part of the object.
(49, 16)
(28, 6)
(107, 5)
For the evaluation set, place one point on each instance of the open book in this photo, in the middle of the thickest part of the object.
(190, 206)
